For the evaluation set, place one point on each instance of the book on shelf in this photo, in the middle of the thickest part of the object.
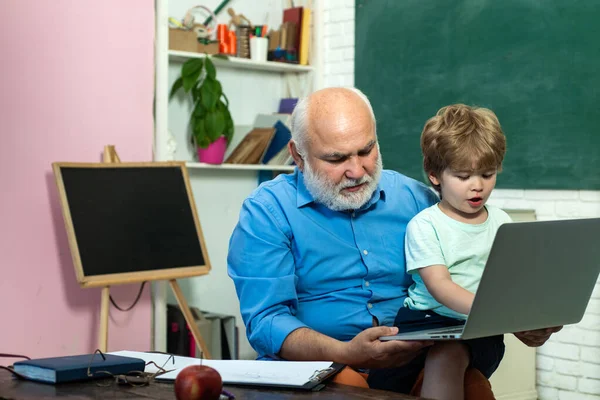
(279, 142)
(292, 18)
(252, 148)
(297, 20)
(287, 105)
(305, 37)
(283, 157)
(276, 153)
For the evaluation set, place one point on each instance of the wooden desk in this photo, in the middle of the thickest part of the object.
(16, 389)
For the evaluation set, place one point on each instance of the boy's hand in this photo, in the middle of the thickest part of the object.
(537, 337)
(439, 283)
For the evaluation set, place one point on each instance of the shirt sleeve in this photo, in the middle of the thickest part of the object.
(424, 197)
(422, 245)
(262, 267)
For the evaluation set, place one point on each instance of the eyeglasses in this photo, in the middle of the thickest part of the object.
(133, 378)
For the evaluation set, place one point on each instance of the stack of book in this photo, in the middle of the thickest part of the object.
(291, 42)
(266, 143)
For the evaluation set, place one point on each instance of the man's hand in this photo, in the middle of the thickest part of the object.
(367, 351)
(537, 337)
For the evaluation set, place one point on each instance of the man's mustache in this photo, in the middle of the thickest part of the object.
(355, 182)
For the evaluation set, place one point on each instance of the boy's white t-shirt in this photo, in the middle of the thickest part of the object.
(433, 238)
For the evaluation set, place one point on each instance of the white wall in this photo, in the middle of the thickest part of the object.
(569, 364)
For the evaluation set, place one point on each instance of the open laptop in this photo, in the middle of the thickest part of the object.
(538, 275)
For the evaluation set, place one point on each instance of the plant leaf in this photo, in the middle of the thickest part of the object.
(208, 95)
(198, 127)
(215, 124)
(199, 133)
(190, 80)
(226, 100)
(199, 110)
(229, 128)
(203, 142)
(210, 69)
(196, 93)
(191, 66)
(176, 86)
(218, 89)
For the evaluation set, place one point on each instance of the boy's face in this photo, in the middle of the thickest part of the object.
(464, 193)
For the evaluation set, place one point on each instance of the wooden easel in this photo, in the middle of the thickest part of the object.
(111, 156)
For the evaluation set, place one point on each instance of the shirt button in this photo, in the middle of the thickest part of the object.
(365, 252)
(369, 305)
(367, 284)
(353, 215)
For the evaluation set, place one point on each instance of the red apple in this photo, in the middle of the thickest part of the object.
(198, 382)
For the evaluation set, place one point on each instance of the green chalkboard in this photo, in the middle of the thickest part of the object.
(536, 63)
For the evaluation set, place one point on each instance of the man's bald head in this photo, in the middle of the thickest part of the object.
(326, 110)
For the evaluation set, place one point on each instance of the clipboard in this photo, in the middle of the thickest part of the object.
(319, 377)
(304, 375)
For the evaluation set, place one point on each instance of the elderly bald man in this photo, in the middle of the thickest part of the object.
(317, 257)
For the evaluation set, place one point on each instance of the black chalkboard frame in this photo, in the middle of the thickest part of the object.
(128, 277)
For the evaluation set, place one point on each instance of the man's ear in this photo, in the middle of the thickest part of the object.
(295, 155)
(433, 179)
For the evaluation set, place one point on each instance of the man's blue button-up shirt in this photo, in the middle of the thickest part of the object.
(296, 263)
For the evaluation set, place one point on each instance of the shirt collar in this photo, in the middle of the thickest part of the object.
(303, 196)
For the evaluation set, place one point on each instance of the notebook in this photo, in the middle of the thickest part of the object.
(538, 275)
(309, 375)
(74, 368)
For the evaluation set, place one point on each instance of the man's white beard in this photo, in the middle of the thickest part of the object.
(330, 194)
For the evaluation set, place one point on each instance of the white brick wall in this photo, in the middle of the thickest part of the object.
(338, 43)
(569, 364)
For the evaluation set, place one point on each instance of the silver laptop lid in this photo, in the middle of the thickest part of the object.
(538, 274)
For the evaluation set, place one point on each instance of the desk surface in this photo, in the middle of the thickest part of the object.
(15, 389)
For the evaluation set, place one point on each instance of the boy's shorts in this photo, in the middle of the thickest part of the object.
(485, 353)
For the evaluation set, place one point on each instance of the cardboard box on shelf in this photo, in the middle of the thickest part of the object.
(187, 40)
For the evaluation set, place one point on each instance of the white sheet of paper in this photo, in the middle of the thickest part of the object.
(295, 373)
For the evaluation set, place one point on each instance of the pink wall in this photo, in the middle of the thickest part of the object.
(75, 76)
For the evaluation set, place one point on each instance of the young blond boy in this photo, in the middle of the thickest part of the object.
(447, 245)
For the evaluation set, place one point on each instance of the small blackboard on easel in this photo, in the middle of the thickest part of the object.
(131, 222)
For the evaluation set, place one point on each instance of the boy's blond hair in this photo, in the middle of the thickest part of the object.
(462, 138)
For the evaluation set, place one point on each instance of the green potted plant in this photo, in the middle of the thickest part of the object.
(210, 121)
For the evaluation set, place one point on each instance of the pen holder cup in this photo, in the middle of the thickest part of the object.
(258, 48)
